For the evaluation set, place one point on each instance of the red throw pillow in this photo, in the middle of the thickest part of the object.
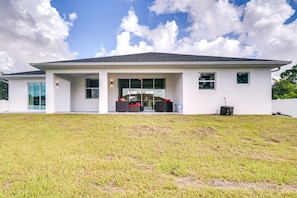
(166, 100)
(135, 105)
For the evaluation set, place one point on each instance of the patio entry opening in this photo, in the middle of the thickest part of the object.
(147, 91)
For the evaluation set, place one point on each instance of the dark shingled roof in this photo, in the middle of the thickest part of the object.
(158, 57)
(38, 72)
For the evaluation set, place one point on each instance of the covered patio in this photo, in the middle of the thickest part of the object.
(98, 91)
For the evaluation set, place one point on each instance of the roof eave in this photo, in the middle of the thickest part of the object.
(22, 76)
(68, 65)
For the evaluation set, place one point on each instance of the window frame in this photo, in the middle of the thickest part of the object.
(207, 81)
(93, 89)
(243, 83)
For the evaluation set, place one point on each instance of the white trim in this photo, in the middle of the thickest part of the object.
(103, 92)
(50, 88)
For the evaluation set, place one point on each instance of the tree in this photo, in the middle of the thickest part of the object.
(283, 89)
(286, 86)
(290, 75)
(3, 90)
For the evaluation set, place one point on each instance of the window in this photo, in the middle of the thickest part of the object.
(92, 88)
(207, 81)
(243, 78)
(148, 83)
(36, 96)
(135, 83)
(159, 83)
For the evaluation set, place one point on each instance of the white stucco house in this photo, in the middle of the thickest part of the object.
(194, 84)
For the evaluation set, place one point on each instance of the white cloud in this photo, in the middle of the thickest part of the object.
(265, 28)
(124, 45)
(73, 16)
(6, 62)
(162, 38)
(257, 29)
(209, 18)
(219, 47)
(264, 24)
(32, 31)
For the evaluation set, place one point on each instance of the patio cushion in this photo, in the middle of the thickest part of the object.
(134, 107)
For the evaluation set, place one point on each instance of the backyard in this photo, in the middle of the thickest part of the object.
(130, 155)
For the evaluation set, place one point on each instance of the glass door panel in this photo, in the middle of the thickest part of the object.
(159, 90)
(148, 99)
(135, 95)
(159, 94)
(148, 94)
(124, 85)
(135, 90)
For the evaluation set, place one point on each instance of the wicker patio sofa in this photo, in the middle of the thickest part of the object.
(163, 106)
(122, 106)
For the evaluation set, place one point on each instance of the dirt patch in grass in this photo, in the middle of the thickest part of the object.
(187, 182)
(201, 131)
(261, 156)
(143, 130)
(142, 165)
(7, 185)
(273, 140)
(109, 157)
(248, 140)
(109, 189)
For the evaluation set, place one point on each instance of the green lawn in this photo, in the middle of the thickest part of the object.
(147, 156)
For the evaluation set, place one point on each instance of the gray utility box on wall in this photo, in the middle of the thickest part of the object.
(226, 110)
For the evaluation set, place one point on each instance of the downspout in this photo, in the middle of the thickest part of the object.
(276, 70)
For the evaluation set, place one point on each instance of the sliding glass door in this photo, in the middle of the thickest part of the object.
(36, 95)
(145, 91)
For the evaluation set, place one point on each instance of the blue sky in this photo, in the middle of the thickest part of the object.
(98, 22)
(50, 30)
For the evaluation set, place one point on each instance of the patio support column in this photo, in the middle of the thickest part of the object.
(50, 89)
(103, 92)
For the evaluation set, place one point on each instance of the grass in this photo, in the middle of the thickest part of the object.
(147, 156)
